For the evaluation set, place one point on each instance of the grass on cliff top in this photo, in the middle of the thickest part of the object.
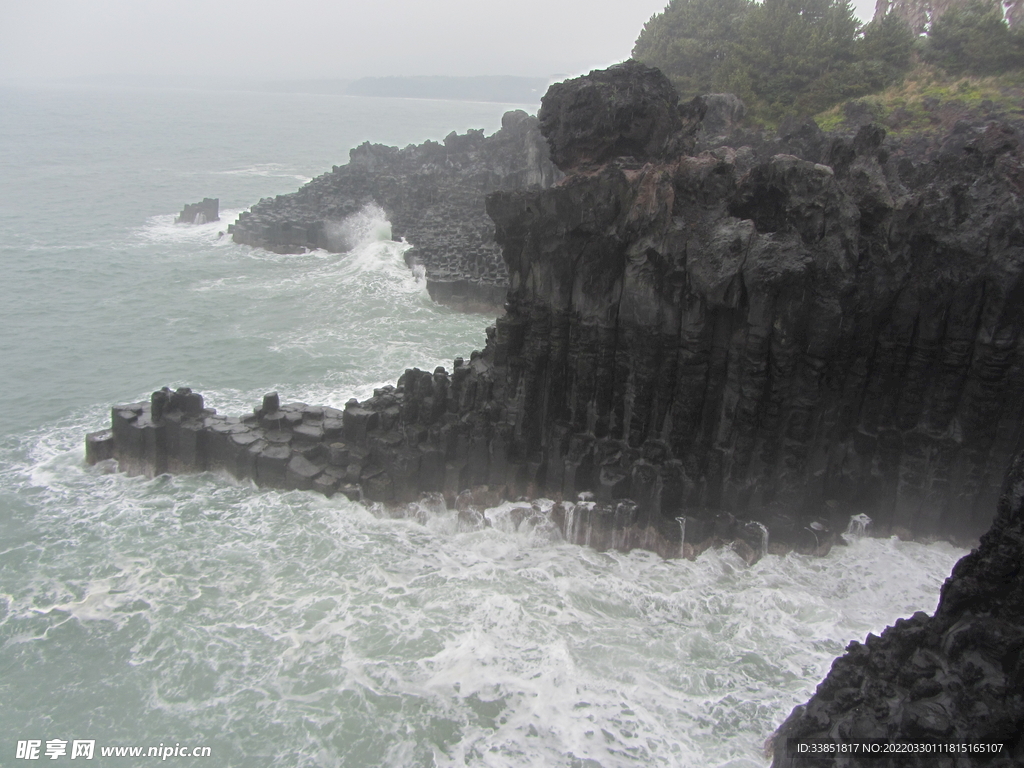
(928, 100)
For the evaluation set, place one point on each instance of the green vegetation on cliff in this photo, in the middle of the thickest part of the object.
(929, 99)
(799, 57)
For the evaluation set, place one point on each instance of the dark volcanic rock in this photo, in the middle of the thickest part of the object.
(200, 213)
(790, 340)
(751, 343)
(956, 677)
(433, 195)
(626, 110)
(723, 113)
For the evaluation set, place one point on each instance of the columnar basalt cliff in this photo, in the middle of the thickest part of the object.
(733, 342)
(433, 195)
(954, 678)
(771, 336)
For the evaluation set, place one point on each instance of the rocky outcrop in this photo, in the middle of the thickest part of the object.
(740, 342)
(954, 679)
(433, 195)
(723, 113)
(200, 213)
(431, 440)
(623, 111)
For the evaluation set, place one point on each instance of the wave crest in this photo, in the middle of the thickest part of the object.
(369, 225)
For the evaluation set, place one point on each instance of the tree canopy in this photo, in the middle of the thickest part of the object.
(779, 56)
(793, 55)
(803, 56)
(690, 40)
(974, 39)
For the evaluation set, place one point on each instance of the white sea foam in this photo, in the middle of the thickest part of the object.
(858, 526)
(425, 639)
(386, 260)
(266, 170)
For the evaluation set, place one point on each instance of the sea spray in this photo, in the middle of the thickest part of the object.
(493, 640)
(857, 527)
(369, 224)
(764, 537)
(570, 523)
(682, 534)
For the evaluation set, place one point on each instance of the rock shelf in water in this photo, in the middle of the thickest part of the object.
(395, 448)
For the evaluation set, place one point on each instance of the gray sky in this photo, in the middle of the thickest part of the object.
(318, 39)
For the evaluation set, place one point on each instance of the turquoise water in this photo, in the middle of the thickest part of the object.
(285, 629)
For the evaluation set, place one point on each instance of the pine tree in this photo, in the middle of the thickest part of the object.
(974, 38)
(794, 56)
(884, 51)
(690, 40)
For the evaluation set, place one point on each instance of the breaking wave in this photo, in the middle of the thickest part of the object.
(369, 225)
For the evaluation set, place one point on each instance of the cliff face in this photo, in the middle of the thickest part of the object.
(765, 334)
(956, 677)
(433, 195)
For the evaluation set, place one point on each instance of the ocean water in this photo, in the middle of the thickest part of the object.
(286, 629)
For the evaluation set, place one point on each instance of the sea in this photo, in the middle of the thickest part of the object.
(285, 629)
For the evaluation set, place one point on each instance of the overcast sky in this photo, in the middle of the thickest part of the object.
(317, 38)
